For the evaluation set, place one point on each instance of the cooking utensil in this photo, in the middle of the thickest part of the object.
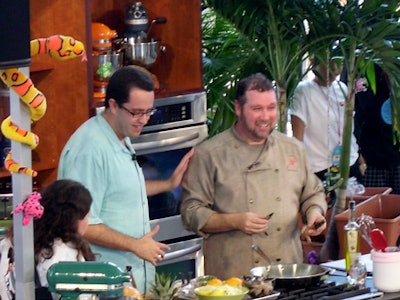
(261, 253)
(366, 224)
(378, 240)
(267, 218)
(292, 275)
(305, 228)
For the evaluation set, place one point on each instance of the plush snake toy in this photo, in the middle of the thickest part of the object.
(58, 47)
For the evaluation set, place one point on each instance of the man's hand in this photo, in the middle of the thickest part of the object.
(154, 187)
(247, 222)
(176, 178)
(150, 250)
(316, 223)
(252, 223)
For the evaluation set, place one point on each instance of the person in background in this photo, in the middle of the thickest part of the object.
(100, 156)
(374, 133)
(317, 117)
(247, 186)
(7, 278)
(58, 234)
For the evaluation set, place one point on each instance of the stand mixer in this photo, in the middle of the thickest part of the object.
(140, 50)
(71, 279)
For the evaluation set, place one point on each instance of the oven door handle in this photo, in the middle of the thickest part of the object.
(166, 142)
(179, 253)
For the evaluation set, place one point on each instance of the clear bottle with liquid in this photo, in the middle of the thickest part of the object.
(351, 237)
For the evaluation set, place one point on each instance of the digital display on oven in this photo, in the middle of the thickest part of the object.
(171, 113)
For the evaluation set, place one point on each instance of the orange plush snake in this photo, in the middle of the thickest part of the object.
(57, 46)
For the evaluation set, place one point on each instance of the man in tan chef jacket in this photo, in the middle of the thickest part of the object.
(239, 177)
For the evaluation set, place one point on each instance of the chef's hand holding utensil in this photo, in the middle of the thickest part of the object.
(316, 223)
(249, 222)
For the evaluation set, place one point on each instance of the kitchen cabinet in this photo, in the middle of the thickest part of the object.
(68, 85)
(179, 69)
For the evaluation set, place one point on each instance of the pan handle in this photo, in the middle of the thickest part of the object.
(261, 253)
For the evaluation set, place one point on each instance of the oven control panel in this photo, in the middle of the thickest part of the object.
(178, 111)
(171, 113)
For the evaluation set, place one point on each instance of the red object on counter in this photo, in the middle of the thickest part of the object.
(378, 239)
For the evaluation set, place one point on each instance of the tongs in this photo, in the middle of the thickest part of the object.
(267, 218)
(314, 226)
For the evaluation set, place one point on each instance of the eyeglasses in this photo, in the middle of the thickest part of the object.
(139, 114)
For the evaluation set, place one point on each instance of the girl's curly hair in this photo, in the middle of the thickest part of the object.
(65, 202)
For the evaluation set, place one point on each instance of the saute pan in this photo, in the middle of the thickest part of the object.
(289, 275)
(292, 275)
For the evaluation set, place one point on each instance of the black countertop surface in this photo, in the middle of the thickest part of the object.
(369, 283)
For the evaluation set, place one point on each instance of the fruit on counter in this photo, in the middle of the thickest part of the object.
(130, 291)
(163, 289)
(214, 281)
(202, 280)
(234, 281)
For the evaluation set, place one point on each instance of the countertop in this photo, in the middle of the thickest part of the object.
(369, 283)
(339, 276)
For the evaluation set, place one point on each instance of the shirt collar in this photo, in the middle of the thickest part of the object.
(270, 141)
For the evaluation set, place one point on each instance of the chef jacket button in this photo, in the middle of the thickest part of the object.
(278, 260)
(276, 170)
(278, 229)
(256, 261)
(251, 201)
(278, 199)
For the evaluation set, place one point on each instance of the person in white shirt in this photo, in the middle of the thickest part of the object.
(317, 116)
(58, 234)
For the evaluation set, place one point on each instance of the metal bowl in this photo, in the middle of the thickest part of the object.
(142, 54)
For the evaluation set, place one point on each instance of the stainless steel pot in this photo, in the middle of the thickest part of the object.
(292, 275)
(141, 53)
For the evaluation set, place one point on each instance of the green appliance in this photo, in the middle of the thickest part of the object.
(71, 279)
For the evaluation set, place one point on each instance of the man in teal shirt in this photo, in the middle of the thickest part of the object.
(100, 155)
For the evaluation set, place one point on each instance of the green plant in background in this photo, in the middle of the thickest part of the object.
(359, 34)
(275, 36)
(244, 37)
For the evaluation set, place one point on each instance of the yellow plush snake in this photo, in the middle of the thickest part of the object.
(57, 46)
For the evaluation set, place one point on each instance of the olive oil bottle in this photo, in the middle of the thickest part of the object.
(351, 237)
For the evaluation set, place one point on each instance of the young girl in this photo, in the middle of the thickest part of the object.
(58, 233)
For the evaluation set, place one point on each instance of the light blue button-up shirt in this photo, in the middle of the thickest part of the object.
(95, 157)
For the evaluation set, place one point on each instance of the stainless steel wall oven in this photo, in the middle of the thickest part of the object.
(177, 126)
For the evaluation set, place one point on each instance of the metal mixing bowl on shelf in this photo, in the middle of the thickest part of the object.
(141, 53)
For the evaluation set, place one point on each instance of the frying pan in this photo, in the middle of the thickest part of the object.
(292, 275)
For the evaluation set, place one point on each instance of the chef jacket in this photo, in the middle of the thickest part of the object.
(227, 175)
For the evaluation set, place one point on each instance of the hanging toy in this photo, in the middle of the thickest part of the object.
(31, 208)
(58, 47)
